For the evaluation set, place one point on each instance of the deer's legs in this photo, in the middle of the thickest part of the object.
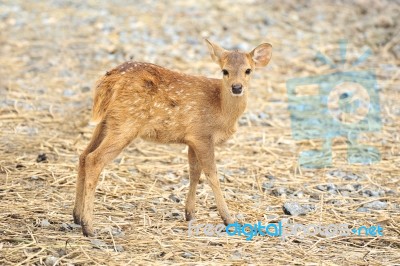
(205, 154)
(95, 141)
(113, 143)
(194, 175)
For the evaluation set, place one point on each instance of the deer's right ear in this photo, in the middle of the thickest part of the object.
(216, 51)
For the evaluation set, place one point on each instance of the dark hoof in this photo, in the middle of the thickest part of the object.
(77, 218)
(189, 216)
(87, 230)
(229, 220)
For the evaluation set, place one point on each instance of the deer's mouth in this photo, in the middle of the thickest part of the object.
(237, 94)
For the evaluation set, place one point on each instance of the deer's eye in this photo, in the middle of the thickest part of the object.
(248, 71)
(225, 72)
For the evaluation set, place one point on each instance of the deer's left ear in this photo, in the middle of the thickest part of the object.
(261, 54)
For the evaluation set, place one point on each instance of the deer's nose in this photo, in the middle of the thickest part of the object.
(237, 88)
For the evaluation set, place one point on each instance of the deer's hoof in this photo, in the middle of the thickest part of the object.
(189, 215)
(77, 217)
(87, 230)
(229, 220)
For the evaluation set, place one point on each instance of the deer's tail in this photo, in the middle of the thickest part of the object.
(103, 96)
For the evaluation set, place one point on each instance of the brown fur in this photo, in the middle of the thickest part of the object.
(154, 103)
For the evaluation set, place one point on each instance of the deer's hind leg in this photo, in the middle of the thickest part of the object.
(117, 137)
(97, 138)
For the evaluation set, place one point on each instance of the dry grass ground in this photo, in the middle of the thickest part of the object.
(51, 54)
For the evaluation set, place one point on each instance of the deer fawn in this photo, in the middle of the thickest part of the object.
(153, 103)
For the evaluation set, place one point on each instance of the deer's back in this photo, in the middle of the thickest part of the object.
(166, 106)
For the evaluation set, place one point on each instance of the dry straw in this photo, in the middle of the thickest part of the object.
(51, 54)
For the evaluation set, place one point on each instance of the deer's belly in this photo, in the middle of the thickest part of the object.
(163, 133)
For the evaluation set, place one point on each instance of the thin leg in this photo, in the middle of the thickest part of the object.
(205, 155)
(194, 175)
(95, 141)
(110, 147)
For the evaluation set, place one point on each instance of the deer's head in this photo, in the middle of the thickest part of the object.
(237, 67)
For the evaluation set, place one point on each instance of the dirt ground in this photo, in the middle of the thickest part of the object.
(52, 53)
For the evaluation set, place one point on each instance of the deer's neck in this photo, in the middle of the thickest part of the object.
(232, 107)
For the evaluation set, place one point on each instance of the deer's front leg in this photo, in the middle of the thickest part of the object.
(194, 175)
(205, 154)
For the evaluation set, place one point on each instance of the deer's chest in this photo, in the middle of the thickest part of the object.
(224, 133)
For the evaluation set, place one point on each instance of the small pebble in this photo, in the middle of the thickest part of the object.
(270, 177)
(362, 209)
(272, 216)
(34, 177)
(391, 192)
(345, 193)
(347, 187)
(285, 220)
(116, 232)
(279, 191)
(44, 223)
(351, 177)
(97, 243)
(119, 248)
(331, 186)
(376, 205)
(42, 157)
(298, 194)
(236, 255)
(19, 166)
(187, 255)
(50, 261)
(370, 193)
(68, 93)
(174, 198)
(174, 214)
(152, 209)
(315, 197)
(295, 209)
(69, 227)
(240, 216)
(61, 252)
(267, 186)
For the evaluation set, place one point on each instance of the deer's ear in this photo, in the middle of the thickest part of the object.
(261, 54)
(216, 51)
